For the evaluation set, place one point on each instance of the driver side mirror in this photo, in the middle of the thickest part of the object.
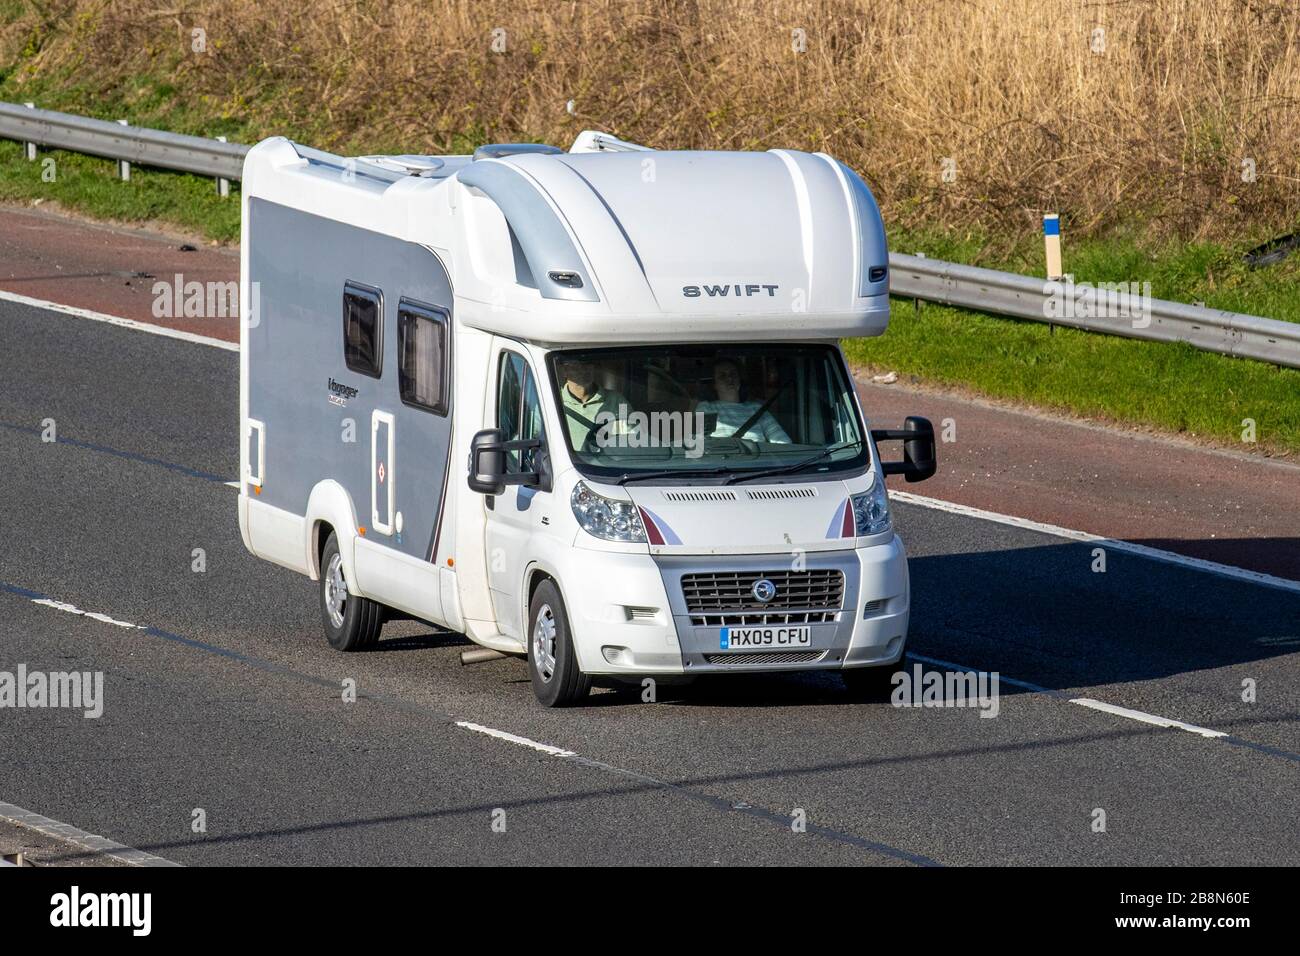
(488, 474)
(919, 460)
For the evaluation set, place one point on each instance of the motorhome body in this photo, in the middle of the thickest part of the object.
(435, 339)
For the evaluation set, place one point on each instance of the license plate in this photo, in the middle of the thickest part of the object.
(764, 638)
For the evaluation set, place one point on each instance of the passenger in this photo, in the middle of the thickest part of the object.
(732, 412)
(584, 399)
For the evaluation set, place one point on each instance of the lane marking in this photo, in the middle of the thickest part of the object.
(91, 842)
(117, 320)
(717, 803)
(94, 615)
(1117, 711)
(516, 739)
(1087, 537)
(1145, 717)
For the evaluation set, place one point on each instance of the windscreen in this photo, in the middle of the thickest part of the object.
(726, 412)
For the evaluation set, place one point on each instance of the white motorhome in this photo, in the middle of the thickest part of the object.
(588, 408)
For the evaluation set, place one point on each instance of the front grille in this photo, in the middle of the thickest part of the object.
(755, 618)
(766, 657)
(721, 592)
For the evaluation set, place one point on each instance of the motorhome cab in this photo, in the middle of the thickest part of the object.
(587, 408)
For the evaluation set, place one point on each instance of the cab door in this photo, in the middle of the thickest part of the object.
(515, 514)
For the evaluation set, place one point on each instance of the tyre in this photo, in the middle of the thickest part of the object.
(552, 662)
(870, 683)
(351, 623)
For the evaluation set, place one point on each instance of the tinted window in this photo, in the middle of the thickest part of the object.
(422, 353)
(362, 312)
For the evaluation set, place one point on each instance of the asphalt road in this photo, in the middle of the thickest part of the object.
(224, 697)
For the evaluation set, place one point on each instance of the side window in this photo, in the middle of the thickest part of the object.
(509, 396)
(363, 311)
(422, 356)
(519, 410)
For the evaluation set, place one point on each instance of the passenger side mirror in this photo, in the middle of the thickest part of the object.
(488, 474)
(919, 460)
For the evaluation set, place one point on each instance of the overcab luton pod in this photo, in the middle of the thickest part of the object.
(587, 408)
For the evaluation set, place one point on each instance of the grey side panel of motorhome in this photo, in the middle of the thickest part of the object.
(300, 263)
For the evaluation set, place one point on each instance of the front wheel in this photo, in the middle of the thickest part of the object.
(352, 623)
(552, 661)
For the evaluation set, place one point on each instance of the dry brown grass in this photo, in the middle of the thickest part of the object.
(1151, 132)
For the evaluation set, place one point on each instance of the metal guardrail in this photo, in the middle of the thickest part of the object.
(1085, 306)
(133, 144)
(985, 290)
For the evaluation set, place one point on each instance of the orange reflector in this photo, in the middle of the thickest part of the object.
(257, 489)
(451, 562)
(361, 531)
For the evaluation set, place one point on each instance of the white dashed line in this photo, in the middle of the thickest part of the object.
(1145, 717)
(1138, 715)
(515, 739)
(66, 833)
(119, 321)
(93, 615)
(1155, 554)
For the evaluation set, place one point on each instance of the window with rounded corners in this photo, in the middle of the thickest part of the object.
(422, 366)
(363, 319)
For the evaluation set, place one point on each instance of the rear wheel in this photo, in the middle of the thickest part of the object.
(552, 662)
(352, 623)
(870, 683)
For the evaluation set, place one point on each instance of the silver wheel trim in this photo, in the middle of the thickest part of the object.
(336, 591)
(544, 643)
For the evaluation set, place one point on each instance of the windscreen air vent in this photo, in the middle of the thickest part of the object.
(767, 494)
(700, 495)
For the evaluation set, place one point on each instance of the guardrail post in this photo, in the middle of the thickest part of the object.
(29, 149)
(223, 185)
(123, 167)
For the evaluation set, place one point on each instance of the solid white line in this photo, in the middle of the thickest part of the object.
(514, 739)
(119, 321)
(66, 833)
(1145, 717)
(1142, 550)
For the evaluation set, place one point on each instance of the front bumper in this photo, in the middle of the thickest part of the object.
(635, 621)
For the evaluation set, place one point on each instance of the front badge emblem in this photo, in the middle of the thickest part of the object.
(763, 590)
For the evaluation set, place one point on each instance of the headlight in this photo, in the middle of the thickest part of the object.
(871, 509)
(606, 518)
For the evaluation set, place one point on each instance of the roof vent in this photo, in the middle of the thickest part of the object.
(502, 150)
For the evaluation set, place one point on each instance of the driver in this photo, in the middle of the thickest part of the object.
(732, 412)
(584, 399)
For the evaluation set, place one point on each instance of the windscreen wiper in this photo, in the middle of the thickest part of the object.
(670, 473)
(797, 466)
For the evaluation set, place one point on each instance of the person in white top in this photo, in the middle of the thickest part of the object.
(732, 412)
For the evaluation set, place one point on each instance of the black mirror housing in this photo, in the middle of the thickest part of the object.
(488, 474)
(487, 462)
(919, 459)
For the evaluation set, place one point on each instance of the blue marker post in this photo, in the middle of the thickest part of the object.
(1052, 239)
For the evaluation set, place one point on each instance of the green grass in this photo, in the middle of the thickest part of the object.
(90, 185)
